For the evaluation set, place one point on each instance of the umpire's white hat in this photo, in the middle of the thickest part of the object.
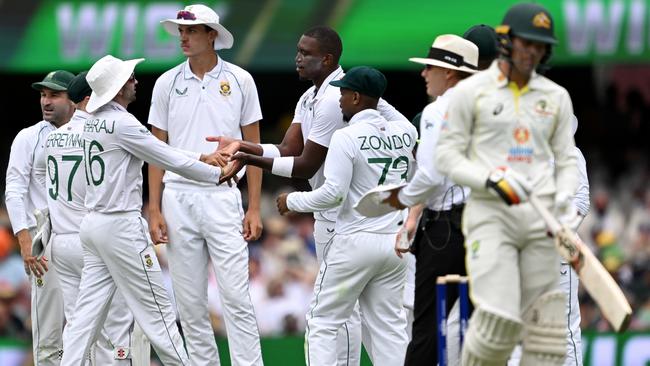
(451, 52)
(106, 77)
(200, 14)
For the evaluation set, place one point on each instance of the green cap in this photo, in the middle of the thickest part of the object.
(528, 21)
(78, 88)
(485, 38)
(364, 80)
(56, 80)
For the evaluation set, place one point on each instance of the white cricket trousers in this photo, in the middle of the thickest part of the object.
(510, 259)
(118, 255)
(348, 339)
(47, 315)
(206, 224)
(67, 258)
(360, 266)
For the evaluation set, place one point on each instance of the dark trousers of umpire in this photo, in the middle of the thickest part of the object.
(439, 250)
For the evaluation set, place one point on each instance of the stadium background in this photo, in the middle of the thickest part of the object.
(602, 59)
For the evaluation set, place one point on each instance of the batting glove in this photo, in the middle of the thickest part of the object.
(509, 185)
(566, 211)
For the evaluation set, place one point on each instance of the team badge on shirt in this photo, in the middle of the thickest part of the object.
(39, 282)
(521, 135)
(224, 89)
(542, 108)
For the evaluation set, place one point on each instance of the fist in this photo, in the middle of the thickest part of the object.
(281, 202)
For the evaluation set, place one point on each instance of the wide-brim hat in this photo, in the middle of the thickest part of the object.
(451, 52)
(106, 77)
(200, 14)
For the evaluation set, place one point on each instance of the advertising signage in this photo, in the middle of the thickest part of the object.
(382, 33)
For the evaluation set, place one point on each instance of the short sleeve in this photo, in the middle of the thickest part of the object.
(251, 111)
(159, 109)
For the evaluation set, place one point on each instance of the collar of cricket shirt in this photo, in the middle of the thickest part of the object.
(367, 115)
(214, 73)
(335, 75)
(502, 81)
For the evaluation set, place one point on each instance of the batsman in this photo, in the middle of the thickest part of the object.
(505, 125)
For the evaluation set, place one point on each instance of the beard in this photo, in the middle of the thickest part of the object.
(346, 117)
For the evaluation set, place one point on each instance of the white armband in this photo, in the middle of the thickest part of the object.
(283, 166)
(270, 151)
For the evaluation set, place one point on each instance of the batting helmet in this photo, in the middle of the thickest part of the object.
(528, 21)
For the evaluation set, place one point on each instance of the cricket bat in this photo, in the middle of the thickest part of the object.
(593, 276)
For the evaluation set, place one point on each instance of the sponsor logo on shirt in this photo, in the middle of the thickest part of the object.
(521, 153)
(224, 89)
(497, 109)
(474, 247)
(181, 92)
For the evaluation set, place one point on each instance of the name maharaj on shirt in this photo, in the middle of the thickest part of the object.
(97, 125)
(392, 142)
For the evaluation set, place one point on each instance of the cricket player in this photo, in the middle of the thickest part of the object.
(505, 127)
(202, 222)
(66, 188)
(359, 262)
(439, 242)
(25, 192)
(305, 144)
(117, 251)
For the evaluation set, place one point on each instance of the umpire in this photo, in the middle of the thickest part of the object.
(439, 243)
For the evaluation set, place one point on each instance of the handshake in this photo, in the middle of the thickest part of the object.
(228, 157)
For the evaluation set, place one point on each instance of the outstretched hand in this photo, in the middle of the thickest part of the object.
(227, 145)
(236, 163)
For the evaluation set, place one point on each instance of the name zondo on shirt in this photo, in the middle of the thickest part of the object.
(62, 139)
(392, 142)
(97, 125)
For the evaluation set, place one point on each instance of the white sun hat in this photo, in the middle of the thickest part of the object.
(106, 77)
(371, 204)
(451, 52)
(200, 14)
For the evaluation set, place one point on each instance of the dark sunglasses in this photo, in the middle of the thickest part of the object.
(187, 15)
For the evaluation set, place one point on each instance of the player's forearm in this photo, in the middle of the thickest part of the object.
(25, 242)
(251, 148)
(155, 187)
(17, 212)
(305, 168)
(260, 162)
(321, 199)
(254, 179)
(420, 188)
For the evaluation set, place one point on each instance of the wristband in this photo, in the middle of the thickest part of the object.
(283, 166)
(270, 151)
